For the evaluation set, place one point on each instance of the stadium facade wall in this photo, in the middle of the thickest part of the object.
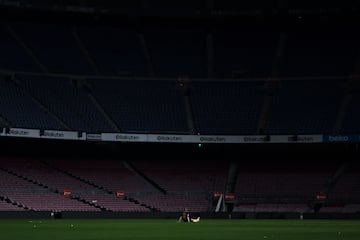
(25, 215)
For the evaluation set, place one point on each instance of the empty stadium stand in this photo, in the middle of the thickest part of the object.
(194, 69)
(21, 110)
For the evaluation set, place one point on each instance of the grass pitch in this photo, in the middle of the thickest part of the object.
(170, 229)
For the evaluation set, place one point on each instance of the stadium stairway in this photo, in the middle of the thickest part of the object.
(101, 188)
(330, 184)
(25, 178)
(4, 122)
(79, 178)
(57, 118)
(97, 104)
(132, 168)
(10, 204)
(56, 191)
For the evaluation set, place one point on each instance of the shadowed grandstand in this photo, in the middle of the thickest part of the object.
(119, 78)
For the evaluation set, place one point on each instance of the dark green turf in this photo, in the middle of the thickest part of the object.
(170, 229)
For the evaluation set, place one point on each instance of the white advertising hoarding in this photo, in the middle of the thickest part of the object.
(123, 137)
(22, 132)
(67, 135)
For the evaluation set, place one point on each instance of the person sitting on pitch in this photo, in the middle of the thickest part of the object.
(185, 217)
